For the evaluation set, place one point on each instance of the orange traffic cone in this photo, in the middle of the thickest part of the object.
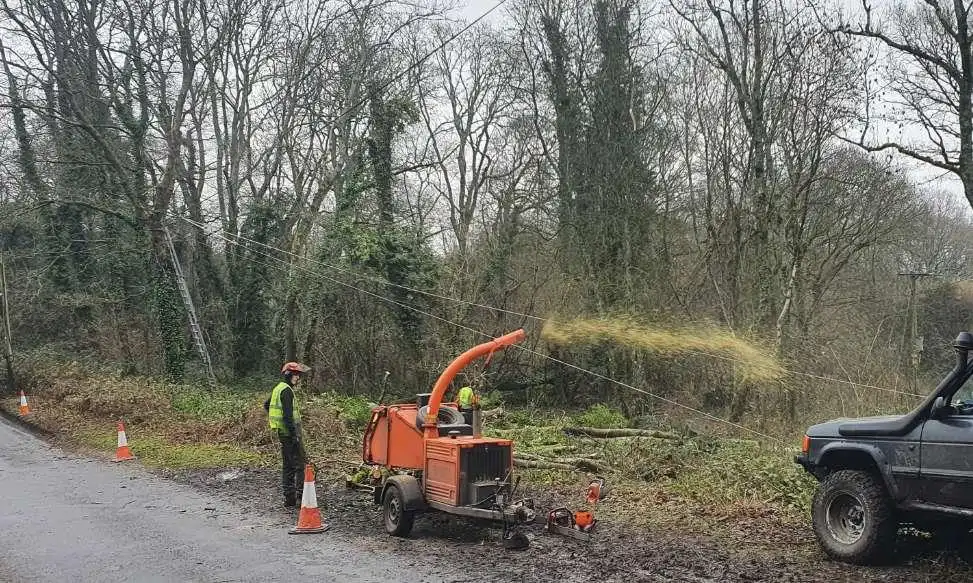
(24, 409)
(309, 520)
(122, 453)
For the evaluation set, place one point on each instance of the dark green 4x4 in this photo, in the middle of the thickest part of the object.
(878, 473)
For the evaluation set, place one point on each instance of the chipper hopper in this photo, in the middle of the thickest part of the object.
(428, 458)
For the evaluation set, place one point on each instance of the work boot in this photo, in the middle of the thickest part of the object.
(290, 502)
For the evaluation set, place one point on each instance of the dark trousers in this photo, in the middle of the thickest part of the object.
(291, 476)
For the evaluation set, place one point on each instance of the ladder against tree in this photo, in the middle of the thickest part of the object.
(187, 300)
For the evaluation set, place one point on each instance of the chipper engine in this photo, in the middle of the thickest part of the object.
(428, 457)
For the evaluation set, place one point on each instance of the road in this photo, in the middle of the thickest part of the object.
(69, 518)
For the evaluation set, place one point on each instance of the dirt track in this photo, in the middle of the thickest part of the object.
(618, 554)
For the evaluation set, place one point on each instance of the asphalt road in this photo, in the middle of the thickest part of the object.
(68, 518)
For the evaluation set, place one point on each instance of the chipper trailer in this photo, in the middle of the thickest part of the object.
(433, 460)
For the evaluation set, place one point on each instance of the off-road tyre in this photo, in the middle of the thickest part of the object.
(397, 520)
(854, 518)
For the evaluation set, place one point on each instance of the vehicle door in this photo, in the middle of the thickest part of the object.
(946, 457)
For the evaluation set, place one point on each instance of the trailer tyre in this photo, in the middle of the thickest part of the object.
(398, 520)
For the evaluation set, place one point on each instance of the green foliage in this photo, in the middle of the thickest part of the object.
(602, 417)
(354, 411)
(205, 404)
(530, 438)
(739, 470)
(490, 399)
(171, 319)
(361, 476)
(252, 281)
(518, 417)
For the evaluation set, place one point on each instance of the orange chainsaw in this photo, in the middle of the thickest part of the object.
(581, 523)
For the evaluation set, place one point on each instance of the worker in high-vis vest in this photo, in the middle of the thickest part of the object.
(465, 399)
(284, 415)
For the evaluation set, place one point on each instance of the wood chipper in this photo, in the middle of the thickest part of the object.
(428, 458)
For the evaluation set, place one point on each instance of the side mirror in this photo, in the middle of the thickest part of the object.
(938, 408)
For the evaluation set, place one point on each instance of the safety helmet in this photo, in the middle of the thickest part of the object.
(294, 367)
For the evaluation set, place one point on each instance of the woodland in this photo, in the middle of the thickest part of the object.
(373, 186)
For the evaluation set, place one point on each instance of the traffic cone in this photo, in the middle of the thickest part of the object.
(122, 453)
(309, 519)
(24, 409)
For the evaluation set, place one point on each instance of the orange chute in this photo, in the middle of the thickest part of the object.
(439, 389)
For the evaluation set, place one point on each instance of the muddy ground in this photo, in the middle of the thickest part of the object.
(756, 550)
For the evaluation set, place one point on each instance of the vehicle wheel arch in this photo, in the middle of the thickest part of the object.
(862, 457)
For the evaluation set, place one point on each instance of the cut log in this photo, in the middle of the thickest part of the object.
(608, 433)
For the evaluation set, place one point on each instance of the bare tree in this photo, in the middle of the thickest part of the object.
(930, 72)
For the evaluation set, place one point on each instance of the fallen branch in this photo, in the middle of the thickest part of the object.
(492, 413)
(523, 455)
(569, 464)
(353, 485)
(609, 433)
(542, 465)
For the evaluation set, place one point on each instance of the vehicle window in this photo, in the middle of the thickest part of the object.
(963, 399)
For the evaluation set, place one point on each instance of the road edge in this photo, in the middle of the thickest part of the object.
(19, 421)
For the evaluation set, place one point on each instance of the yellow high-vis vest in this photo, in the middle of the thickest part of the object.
(277, 411)
(465, 398)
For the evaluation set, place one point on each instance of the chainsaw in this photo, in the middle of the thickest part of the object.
(578, 524)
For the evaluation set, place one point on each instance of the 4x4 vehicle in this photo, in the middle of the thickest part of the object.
(878, 473)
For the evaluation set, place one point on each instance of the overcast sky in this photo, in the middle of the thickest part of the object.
(929, 177)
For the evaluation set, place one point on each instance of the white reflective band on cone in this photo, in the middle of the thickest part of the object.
(122, 440)
(310, 497)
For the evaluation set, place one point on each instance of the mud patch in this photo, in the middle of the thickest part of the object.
(751, 551)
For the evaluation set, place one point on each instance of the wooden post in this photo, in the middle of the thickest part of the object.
(7, 346)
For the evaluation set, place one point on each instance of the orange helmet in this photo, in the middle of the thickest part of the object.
(294, 367)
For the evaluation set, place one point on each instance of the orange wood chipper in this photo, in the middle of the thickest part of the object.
(434, 461)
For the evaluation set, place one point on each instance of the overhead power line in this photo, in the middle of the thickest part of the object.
(223, 235)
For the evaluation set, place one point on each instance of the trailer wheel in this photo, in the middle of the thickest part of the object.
(398, 520)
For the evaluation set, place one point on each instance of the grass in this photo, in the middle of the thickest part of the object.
(157, 451)
(749, 360)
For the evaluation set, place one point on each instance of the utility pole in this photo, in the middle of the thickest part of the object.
(7, 344)
(914, 344)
